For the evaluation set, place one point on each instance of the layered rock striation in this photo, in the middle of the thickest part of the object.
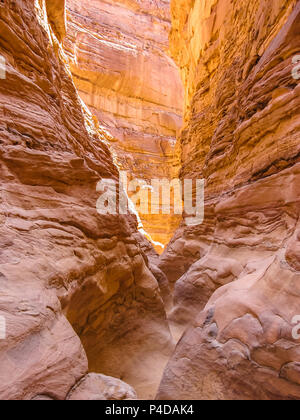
(65, 269)
(238, 292)
(83, 295)
(123, 73)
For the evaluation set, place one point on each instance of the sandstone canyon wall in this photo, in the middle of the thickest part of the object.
(64, 269)
(84, 296)
(119, 63)
(236, 277)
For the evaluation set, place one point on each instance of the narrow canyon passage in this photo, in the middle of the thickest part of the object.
(118, 55)
(121, 68)
(119, 305)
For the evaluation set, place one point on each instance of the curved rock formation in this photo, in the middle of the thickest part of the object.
(241, 134)
(99, 387)
(120, 67)
(56, 251)
(84, 295)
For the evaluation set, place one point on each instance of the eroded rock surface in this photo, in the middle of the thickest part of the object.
(59, 259)
(84, 296)
(123, 73)
(242, 135)
(100, 387)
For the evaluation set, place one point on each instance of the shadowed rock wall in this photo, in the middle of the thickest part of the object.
(56, 251)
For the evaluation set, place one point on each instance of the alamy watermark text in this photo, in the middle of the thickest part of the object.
(154, 198)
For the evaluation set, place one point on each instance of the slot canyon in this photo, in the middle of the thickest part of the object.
(142, 305)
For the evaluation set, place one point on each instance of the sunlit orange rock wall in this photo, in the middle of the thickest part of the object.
(236, 277)
(63, 267)
(118, 57)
